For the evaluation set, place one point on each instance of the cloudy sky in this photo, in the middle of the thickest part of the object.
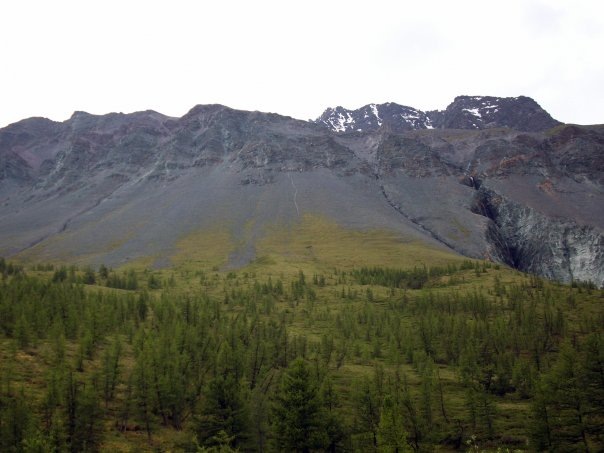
(297, 58)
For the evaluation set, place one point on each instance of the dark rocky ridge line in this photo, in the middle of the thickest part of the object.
(500, 188)
(465, 112)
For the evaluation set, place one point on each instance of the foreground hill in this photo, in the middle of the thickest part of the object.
(492, 178)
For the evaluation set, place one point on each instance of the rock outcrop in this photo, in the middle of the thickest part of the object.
(559, 249)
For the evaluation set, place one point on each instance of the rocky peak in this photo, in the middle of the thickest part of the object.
(205, 110)
(81, 122)
(371, 117)
(25, 131)
(481, 112)
(465, 112)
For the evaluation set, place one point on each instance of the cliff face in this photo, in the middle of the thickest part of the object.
(516, 187)
(559, 249)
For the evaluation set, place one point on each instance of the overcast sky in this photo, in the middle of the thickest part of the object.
(297, 58)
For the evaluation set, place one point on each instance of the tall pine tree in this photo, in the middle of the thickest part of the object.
(297, 413)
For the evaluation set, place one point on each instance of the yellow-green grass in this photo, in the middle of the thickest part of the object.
(314, 245)
(320, 240)
(204, 249)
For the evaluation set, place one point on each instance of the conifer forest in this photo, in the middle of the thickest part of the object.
(463, 356)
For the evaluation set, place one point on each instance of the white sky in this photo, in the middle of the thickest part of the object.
(297, 58)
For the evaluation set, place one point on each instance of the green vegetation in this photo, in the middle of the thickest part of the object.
(332, 354)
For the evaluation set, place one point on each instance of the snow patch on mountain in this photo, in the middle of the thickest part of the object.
(339, 123)
(474, 111)
(376, 113)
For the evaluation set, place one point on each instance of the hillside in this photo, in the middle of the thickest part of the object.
(494, 178)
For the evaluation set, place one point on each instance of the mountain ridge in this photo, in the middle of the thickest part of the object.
(115, 187)
(465, 112)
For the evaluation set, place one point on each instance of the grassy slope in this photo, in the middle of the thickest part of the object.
(315, 244)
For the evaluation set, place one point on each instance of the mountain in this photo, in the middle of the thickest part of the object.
(372, 117)
(491, 178)
(481, 112)
(465, 112)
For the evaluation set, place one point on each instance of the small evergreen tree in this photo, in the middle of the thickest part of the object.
(392, 436)
(368, 405)
(223, 410)
(297, 413)
(333, 424)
